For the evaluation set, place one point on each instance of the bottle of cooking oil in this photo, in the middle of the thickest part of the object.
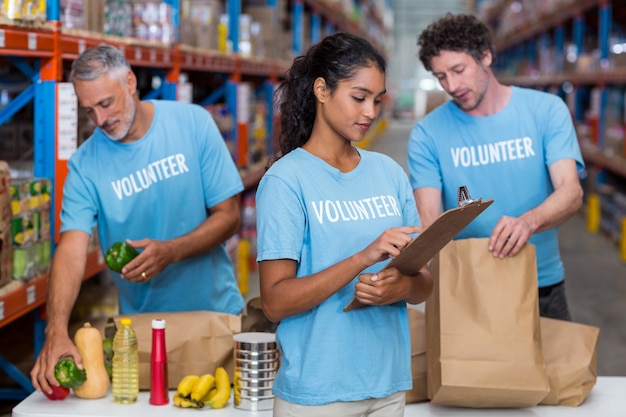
(125, 364)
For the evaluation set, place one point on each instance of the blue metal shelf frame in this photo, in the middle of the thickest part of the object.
(234, 12)
(604, 31)
(316, 27)
(27, 95)
(578, 35)
(298, 26)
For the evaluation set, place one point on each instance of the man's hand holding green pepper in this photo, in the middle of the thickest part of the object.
(68, 374)
(141, 260)
(118, 255)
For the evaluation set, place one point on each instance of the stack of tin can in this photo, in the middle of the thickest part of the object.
(256, 364)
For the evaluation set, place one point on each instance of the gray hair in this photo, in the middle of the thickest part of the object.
(97, 61)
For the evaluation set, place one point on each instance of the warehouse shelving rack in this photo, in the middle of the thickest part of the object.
(41, 52)
(578, 19)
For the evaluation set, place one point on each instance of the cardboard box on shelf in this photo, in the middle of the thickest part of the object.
(264, 30)
(93, 19)
(186, 32)
(205, 36)
(267, 16)
(203, 12)
(199, 22)
(618, 60)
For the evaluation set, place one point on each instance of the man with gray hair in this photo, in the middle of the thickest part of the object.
(158, 176)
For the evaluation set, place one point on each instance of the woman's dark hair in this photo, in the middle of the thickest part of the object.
(336, 58)
(458, 33)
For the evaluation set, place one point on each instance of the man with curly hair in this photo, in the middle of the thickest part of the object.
(515, 145)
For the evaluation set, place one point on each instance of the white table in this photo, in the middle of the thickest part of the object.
(607, 399)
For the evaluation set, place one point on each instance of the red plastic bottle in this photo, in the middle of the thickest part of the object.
(158, 365)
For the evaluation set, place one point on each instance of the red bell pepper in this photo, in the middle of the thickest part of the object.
(58, 393)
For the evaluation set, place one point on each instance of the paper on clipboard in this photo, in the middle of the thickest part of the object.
(428, 243)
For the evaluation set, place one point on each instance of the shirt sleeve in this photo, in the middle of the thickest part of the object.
(423, 161)
(281, 220)
(560, 138)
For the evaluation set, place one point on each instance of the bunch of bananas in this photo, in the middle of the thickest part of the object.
(195, 391)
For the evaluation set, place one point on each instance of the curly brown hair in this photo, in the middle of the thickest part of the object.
(458, 33)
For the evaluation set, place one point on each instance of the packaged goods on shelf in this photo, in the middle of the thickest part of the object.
(18, 11)
(109, 17)
(614, 122)
(258, 139)
(72, 14)
(224, 120)
(24, 262)
(617, 50)
(6, 249)
(30, 226)
(199, 23)
(153, 21)
(245, 35)
(511, 19)
(117, 18)
(245, 45)
(264, 30)
(613, 209)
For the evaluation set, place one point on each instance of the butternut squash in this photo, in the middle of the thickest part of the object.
(88, 341)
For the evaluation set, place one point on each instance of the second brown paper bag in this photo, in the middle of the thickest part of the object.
(482, 324)
(197, 342)
(570, 352)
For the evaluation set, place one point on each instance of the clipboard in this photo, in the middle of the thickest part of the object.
(428, 243)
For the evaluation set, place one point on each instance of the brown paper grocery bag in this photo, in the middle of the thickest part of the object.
(570, 353)
(417, 326)
(255, 320)
(197, 342)
(483, 345)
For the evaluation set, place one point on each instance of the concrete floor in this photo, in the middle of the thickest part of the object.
(596, 285)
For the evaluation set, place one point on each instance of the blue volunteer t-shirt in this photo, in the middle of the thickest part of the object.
(504, 156)
(158, 187)
(313, 213)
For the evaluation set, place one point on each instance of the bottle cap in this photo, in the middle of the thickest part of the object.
(126, 321)
(158, 324)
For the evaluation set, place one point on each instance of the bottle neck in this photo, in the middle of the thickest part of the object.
(158, 345)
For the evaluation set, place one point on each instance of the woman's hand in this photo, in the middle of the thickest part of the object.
(385, 287)
(388, 245)
(389, 286)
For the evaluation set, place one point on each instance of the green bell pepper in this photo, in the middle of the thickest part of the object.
(68, 374)
(118, 255)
